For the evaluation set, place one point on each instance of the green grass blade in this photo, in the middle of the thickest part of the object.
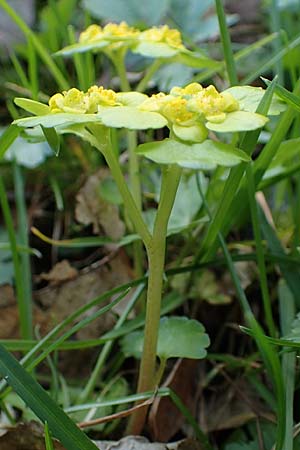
(7, 138)
(41, 50)
(223, 217)
(48, 440)
(287, 314)
(290, 98)
(31, 392)
(226, 43)
(23, 306)
(290, 274)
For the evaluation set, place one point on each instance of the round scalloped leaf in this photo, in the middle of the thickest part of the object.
(155, 49)
(130, 117)
(206, 155)
(195, 133)
(238, 121)
(249, 98)
(82, 47)
(36, 108)
(179, 337)
(131, 98)
(54, 120)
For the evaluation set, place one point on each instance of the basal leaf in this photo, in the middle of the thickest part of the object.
(36, 108)
(179, 337)
(206, 155)
(131, 98)
(130, 117)
(238, 121)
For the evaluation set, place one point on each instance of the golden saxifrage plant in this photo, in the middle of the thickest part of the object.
(196, 118)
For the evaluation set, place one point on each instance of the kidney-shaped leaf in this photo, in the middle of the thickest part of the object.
(82, 47)
(206, 155)
(179, 337)
(155, 49)
(130, 117)
(238, 121)
(249, 98)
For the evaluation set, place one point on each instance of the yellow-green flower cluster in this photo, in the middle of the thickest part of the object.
(187, 109)
(95, 32)
(123, 31)
(192, 102)
(75, 101)
(162, 34)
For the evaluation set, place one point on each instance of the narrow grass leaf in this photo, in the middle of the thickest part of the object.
(31, 392)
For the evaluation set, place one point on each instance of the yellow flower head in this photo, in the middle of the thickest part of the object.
(71, 101)
(98, 96)
(75, 101)
(118, 30)
(175, 110)
(211, 104)
(92, 33)
(163, 34)
(188, 91)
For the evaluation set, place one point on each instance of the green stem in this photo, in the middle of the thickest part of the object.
(118, 59)
(260, 253)
(104, 145)
(44, 55)
(142, 86)
(226, 43)
(24, 313)
(135, 186)
(23, 240)
(156, 257)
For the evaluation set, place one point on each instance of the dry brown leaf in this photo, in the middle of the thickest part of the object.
(7, 295)
(165, 420)
(59, 301)
(141, 443)
(62, 271)
(231, 406)
(28, 436)
(92, 209)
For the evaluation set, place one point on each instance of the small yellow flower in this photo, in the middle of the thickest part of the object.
(175, 110)
(188, 91)
(117, 30)
(212, 104)
(72, 101)
(92, 33)
(163, 34)
(75, 101)
(98, 96)
(120, 30)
